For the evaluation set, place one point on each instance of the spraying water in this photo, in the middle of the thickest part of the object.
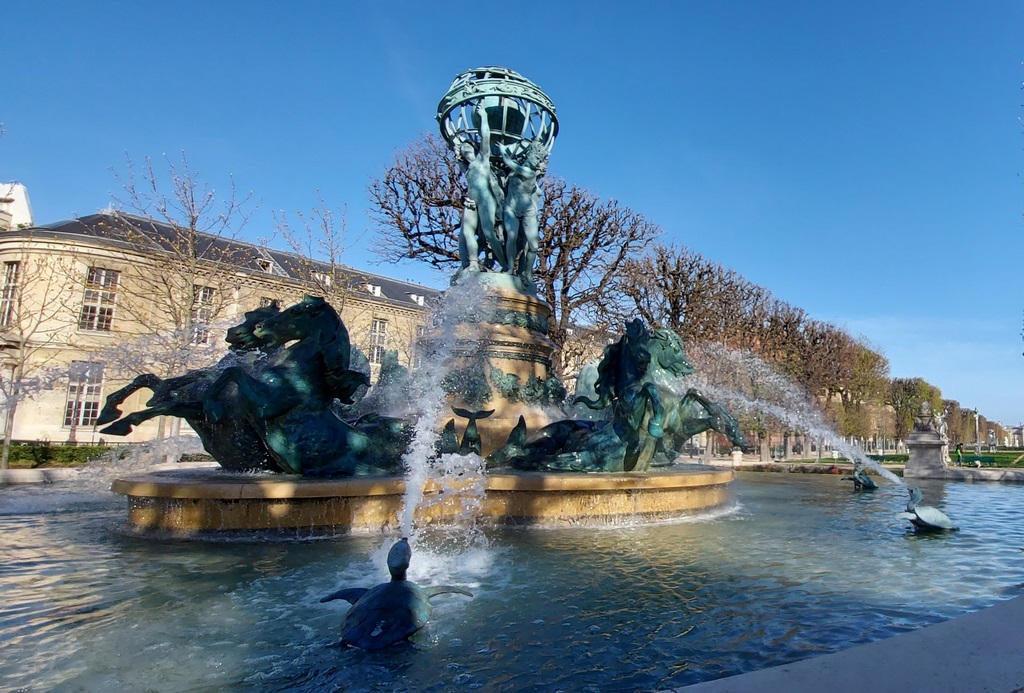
(772, 395)
(428, 399)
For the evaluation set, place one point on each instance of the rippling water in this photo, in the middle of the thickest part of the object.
(800, 566)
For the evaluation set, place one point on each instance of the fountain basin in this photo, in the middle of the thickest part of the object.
(209, 500)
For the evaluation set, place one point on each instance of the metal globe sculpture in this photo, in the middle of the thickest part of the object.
(518, 112)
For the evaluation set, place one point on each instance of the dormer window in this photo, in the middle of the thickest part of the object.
(417, 299)
(374, 289)
(265, 265)
(324, 279)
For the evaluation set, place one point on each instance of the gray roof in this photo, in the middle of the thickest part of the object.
(148, 235)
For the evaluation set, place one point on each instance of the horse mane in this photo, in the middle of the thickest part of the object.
(336, 347)
(607, 368)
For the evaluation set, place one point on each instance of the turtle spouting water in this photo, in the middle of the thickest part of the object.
(392, 611)
(925, 518)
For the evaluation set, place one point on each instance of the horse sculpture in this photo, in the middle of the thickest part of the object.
(646, 419)
(233, 442)
(288, 401)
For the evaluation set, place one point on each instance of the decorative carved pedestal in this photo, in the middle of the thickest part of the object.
(926, 458)
(502, 360)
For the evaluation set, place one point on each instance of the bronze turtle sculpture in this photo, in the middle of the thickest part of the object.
(925, 518)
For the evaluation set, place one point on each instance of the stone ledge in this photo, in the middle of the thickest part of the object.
(212, 501)
(976, 652)
(174, 484)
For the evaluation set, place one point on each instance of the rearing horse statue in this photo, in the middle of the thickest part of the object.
(233, 442)
(622, 383)
(646, 419)
(289, 401)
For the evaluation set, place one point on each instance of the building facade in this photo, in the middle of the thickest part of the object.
(88, 304)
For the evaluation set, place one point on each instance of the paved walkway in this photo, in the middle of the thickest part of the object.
(977, 653)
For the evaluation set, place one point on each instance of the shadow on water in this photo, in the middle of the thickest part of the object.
(802, 565)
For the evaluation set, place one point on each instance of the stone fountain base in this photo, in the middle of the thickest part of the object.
(209, 500)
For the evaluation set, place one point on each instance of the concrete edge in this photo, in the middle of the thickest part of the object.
(978, 652)
(38, 476)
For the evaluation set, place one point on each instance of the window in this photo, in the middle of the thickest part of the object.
(203, 311)
(9, 294)
(418, 299)
(417, 346)
(98, 302)
(323, 279)
(265, 265)
(85, 392)
(378, 340)
(374, 289)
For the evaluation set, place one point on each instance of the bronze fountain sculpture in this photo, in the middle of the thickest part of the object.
(272, 403)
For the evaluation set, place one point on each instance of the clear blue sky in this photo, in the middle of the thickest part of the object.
(860, 159)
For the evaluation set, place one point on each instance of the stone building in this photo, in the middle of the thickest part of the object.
(87, 304)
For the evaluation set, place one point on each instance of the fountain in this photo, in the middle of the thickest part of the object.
(270, 405)
(797, 567)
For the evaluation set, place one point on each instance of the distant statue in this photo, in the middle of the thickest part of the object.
(522, 228)
(924, 420)
(392, 611)
(861, 480)
(645, 419)
(484, 197)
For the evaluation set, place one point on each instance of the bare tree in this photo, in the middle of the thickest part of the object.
(584, 243)
(417, 205)
(319, 242)
(181, 266)
(36, 323)
(584, 240)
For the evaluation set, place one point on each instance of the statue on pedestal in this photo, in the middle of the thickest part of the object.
(502, 128)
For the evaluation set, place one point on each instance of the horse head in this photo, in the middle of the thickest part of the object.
(310, 317)
(667, 353)
(242, 337)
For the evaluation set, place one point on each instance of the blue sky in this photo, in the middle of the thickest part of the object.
(860, 159)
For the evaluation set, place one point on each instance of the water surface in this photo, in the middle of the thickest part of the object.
(800, 565)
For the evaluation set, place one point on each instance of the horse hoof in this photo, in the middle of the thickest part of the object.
(118, 428)
(108, 416)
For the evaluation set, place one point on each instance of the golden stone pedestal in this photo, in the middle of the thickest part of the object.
(191, 502)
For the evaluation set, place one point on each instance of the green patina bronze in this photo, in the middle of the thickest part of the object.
(501, 127)
(515, 318)
(548, 391)
(384, 615)
(235, 443)
(644, 419)
(469, 383)
(275, 412)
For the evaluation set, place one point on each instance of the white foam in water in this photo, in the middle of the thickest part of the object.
(777, 397)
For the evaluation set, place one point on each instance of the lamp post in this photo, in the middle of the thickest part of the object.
(977, 435)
